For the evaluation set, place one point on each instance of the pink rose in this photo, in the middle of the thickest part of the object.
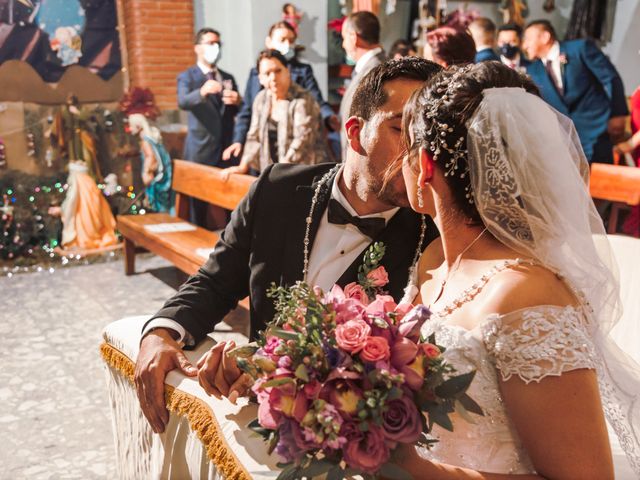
(356, 292)
(381, 307)
(401, 420)
(369, 453)
(336, 294)
(352, 335)
(378, 277)
(430, 350)
(375, 349)
(348, 309)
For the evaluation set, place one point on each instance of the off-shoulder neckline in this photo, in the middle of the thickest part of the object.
(440, 321)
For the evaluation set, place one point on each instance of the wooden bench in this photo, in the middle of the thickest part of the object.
(189, 180)
(615, 183)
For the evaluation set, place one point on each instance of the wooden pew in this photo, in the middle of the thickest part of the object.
(618, 184)
(189, 180)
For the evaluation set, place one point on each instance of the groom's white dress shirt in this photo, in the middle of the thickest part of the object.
(334, 249)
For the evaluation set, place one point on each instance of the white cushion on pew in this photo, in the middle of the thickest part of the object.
(176, 453)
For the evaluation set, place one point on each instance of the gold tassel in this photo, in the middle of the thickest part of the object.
(197, 412)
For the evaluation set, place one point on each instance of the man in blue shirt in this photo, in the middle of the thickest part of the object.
(483, 31)
(579, 81)
(282, 37)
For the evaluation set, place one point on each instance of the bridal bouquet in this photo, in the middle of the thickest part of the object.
(342, 378)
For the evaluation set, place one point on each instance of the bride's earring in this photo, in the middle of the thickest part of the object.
(420, 199)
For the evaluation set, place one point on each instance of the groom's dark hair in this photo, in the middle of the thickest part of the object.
(370, 94)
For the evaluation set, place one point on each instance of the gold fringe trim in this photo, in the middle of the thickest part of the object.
(197, 412)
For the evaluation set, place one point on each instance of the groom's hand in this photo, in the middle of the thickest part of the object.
(159, 354)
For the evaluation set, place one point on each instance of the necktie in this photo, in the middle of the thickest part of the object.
(552, 75)
(339, 215)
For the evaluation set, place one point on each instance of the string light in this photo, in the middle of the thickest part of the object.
(24, 236)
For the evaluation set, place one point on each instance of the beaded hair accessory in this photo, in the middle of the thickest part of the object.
(440, 131)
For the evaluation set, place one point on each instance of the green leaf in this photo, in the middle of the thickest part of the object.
(244, 351)
(273, 443)
(441, 418)
(301, 373)
(455, 385)
(277, 382)
(284, 465)
(336, 473)
(381, 323)
(394, 472)
(254, 424)
(460, 410)
(470, 405)
(284, 334)
(317, 467)
(289, 473)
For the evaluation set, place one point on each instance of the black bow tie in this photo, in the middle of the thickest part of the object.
(339, 215)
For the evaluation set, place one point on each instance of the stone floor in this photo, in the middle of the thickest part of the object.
(54, 417)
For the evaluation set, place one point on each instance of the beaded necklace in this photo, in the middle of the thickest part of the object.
(324, 181)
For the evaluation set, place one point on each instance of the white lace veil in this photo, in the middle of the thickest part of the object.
(529, 178)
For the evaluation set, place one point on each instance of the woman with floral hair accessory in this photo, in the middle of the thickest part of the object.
(517, 287)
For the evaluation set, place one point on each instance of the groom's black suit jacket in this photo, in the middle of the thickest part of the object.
(263, 243)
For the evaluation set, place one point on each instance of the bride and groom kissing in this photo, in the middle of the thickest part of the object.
(477, 188)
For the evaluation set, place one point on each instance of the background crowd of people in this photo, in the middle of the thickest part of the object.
(283, 117)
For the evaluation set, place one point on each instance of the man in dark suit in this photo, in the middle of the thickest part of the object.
(510, 47)
(282, 37)
(578, 80)
(361, 43)
(265, 241)
(483, 31)
(210, 95)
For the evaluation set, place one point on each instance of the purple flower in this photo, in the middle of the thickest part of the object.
(368, 453)
(287, 446)
(412, 322)
(401, 420)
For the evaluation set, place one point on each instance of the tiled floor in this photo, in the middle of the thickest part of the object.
(54, 417)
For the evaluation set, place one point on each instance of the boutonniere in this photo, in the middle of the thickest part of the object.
(563, 62)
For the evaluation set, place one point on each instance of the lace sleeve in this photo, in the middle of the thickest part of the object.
(539, 342)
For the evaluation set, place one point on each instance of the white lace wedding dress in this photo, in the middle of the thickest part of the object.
(532, 344)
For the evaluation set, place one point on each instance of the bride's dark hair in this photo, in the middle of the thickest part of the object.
(450, 98)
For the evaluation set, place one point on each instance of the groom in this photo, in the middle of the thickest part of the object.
(264, 243)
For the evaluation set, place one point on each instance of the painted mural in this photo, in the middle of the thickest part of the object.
(52, 35)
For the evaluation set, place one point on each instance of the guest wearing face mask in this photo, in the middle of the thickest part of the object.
(210, 96)
(285, 125)
(282, 38)
(509, 46)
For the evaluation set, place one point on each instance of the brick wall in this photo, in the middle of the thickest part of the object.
(159, 38)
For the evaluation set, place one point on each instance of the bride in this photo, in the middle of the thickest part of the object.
(517, 288)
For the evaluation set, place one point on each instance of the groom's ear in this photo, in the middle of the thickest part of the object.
(353, 127)
(426, 165)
